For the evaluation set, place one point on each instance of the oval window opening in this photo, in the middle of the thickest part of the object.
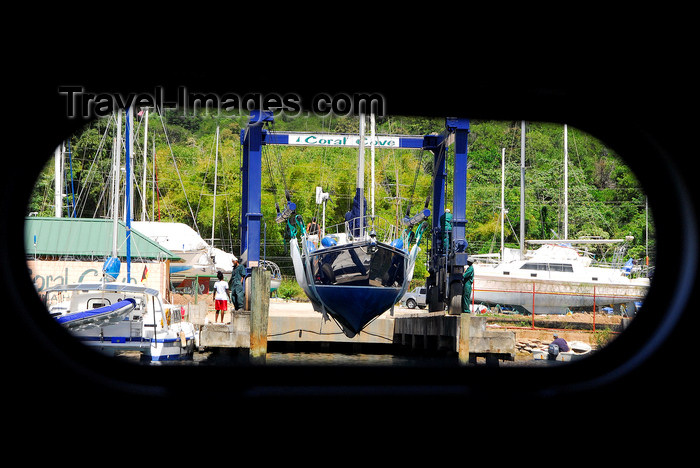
(535, 237)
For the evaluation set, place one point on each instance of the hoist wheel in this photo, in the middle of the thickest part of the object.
(455, 299)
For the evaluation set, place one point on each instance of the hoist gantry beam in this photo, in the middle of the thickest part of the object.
(253, 137)
(345, 140)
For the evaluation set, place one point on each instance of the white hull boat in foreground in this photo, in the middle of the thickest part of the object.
(145, 325)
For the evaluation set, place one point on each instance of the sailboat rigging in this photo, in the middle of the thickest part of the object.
(556, 277)
(216, 170)
(354, 272)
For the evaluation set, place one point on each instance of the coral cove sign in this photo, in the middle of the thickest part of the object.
(352, 141)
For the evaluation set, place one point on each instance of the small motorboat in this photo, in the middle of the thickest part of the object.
(117, 317)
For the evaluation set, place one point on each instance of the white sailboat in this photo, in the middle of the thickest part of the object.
(148, 326)
(112, 316)
(357, 270)
(554, 278)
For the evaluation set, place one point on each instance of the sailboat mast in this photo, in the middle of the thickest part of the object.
(361, 172)
(153, 181)
(646, 230)
(566, 183)
(116, 148)
(71, 213)
(58, 182)
(323, 225)
(129, 188)
(145, 165)
(216, 167)
(522, 187)
(130, 159)
(372, 125)
(503, 205)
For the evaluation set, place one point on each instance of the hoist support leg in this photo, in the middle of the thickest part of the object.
(457, 256)
(436, 263)
(251, 172)
(446, 265)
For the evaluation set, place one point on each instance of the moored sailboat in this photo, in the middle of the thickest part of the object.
(96, 317)
(117, 317)
(555, 279)
(114, 316)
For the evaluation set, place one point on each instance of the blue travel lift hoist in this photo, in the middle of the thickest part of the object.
(445, 266)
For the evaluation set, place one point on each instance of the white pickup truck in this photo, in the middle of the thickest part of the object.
(415, 298)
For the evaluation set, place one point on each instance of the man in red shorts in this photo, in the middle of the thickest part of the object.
(221, 297)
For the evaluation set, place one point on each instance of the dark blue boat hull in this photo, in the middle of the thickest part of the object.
(357, 282)
(355, 306)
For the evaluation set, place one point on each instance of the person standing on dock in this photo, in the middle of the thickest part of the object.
(467, 281)
(221, 297)
(236, 285)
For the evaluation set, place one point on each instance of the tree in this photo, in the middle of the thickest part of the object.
(604, 196)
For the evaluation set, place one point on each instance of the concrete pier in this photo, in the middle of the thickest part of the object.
(235, 334)
(291, 322)
(464, 334)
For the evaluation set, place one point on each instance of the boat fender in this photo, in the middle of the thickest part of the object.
(111, 268)
(328, 242)
(398, 243)
(553, 350)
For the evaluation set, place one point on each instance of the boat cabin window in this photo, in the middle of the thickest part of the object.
(561, 267)
(534, 266)
(97, 303)
(565, 267)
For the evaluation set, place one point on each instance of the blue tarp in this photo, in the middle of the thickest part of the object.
(75, 316)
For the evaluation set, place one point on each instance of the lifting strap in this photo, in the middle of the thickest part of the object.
(290, 207)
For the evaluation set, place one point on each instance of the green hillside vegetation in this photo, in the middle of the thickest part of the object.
(605, 199)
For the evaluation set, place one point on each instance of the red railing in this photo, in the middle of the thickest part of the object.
(594, 295)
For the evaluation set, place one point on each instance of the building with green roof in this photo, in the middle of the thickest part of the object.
(87, 239)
